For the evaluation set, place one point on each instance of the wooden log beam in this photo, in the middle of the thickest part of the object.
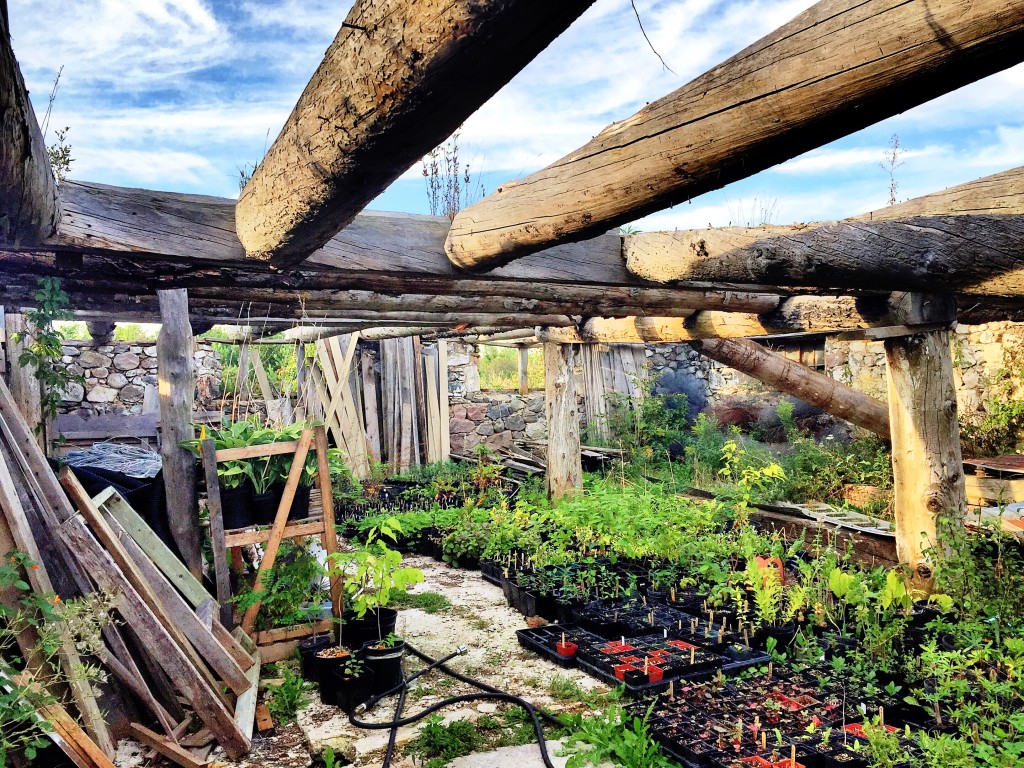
(398, 79)
(965, 239)
(837, 67)
(564, 463)
(799, 314)
(25, 387)
(28, 193)
(798, 380)
(928, 475)
(174, 348)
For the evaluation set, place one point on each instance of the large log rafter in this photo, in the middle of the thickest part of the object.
(839, 66)
(399, 77)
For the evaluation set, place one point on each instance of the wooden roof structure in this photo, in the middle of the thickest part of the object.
(400, 76)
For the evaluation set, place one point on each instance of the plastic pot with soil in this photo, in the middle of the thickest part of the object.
(264, 505)
(236, 507)
(326, 662)
(384, 659)
(308, 649)
(352, 685)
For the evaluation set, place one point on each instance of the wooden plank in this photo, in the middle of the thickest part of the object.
(112, 503)
(23, 382)
(329, 539)
(245, 706)
(835, 68)
(524, 365)
(174, 354)
(132, 679)
(271, 636)
(28, 205)
(245, 538)
(986, 491)
(928, 476)
(442, 367)
(419, 399)
(222, 577)
(264, 722)
(437, 60)
(433, 411)
(156, 591)
(73, 426)
(371, 414)
(280, 523)
(167, 748)
(39, 579)
(206, 701)
(266, 391)
(564, 468)
(252, 451)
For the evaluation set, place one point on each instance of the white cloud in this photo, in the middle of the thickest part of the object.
(159, 169)
(831, 160)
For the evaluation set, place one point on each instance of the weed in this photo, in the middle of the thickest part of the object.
(612, 735)
(289, 697)
(437, 741)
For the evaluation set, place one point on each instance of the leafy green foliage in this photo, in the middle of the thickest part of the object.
(42, 346)
(292, 591)
(445, 742)
(612, 735)
(287, 698)
(650, 427)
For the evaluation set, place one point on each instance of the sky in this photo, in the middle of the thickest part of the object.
(180, 95)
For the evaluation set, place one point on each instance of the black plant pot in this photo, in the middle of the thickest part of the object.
(236, 507)
(386, 665)
(308, 649)
(375, 625)
(349, 692)
(264, 506)
(300, 504)
(325, 668)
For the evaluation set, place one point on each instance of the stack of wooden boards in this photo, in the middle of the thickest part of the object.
(170, 652)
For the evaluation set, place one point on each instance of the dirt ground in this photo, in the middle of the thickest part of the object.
(478, 618)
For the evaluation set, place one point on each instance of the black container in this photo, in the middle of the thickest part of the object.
(308, 649)
(374, 626)
(386, 665)
(300, 504)
(349, 692)
(325, 668)
(236, 507)
(264, 506)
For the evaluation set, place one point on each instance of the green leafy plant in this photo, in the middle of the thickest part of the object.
(612, 735)
(287, 698)
(42, 347)
(292, 591)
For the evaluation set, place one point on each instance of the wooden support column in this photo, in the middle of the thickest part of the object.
(524, 366)
(565, 470)
(176, 377)
(23, 382)
(928, 475)
(798, 380)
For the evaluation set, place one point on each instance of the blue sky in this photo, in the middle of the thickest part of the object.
(180, 95)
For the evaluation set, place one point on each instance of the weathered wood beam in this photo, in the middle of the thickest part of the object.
(798, 380)
(28, 192)
(837, 67)
(25, 386)
(928, 473)
(965, 239)
(398, 79)
(799, 314)
(174, 348)
(564, 463)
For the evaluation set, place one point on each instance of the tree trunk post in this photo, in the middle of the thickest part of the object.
(524, 366)
(565, 470)
(176, 377)
(928, 473)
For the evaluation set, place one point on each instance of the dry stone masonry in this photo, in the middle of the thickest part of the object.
(119, 375)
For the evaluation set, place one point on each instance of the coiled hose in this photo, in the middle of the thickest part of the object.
(488, 692)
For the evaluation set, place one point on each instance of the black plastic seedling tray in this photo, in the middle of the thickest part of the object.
(541, 640)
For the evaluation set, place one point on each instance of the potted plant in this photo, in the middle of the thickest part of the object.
(370, 575)
(384, 658)
(352, 683)
(232, 476)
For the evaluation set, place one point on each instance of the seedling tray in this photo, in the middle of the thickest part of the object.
(541, 640)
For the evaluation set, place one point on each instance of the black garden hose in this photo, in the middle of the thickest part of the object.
(487, 693)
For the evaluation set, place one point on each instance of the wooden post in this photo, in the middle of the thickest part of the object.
(928, 475)
(445, 395)
(24, 384)
(565, 470)
(176, 383)
(216, 510)
(524, 365)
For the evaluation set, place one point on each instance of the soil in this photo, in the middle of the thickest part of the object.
(478, 618)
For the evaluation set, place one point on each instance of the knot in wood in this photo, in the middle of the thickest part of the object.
(935, 501)
(923, 571)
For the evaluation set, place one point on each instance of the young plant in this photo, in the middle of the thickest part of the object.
(286, 699)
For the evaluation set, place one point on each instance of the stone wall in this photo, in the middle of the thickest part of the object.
(981, 353)
(121, 376)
